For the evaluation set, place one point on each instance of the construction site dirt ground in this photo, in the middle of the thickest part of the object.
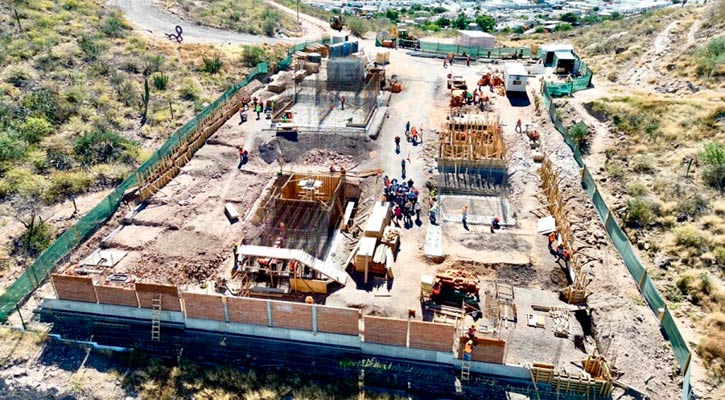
(183, 237)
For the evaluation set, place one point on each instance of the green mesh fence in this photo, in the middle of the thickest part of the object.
(620, 241)
(32, 277)
(495, 52)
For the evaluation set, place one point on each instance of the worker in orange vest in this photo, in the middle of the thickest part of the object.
(468, 350)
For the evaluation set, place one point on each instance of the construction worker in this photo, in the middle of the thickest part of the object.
(402, 167)
(242, 115)
(397, 144)
(235, 253)
(342, 103)
(468, 350)
(418, 207)
(243, 157)
(432, 214)
(518, 126)
(309, 300)
(552, 240)
(560, 252)
(468, 61)
(414, 136)
(464, 218)
(472, 332)
(407, 127)
(258, 110)
(445, 62)
(495, 224)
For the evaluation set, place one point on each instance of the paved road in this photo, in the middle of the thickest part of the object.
(155, 22)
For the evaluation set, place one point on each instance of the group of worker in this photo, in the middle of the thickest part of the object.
(403, 196)
(450, 57)
(557, 248)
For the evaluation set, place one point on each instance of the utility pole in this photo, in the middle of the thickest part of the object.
(298, 11)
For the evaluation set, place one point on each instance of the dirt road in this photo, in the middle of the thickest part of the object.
(145, 16)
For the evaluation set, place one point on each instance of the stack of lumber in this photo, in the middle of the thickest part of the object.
(463, 281)
(561, 323)
(365, 252)
(379, 219)
(391, 237)
(383, 261)
(317, 48)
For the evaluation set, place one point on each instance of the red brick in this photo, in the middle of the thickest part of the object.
(203, 306)
(292, 315)
(488, 350)
(169, 296)
(386, 330)
(116, 296)
(247, 311)
(76, 288)
(432, 336)
(338, 320)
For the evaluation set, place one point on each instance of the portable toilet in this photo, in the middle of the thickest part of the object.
(514, 77)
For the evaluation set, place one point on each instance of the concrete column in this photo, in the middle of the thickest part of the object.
(269, 313)
(314, 319)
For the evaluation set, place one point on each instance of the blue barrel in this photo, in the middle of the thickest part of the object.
(355, 47)
(346, 49)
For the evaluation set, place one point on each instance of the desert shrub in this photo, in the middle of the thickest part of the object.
(161, 81)
(641, 212)
(35, 128)
(719, 253)
(252, 55)
(713, 156)
(48, 103)
(712, 345)
(11, 147)
(615, 169)
(357, 27)
(643, 165)
(91, 47)
(211, 65)
(152, 64)
(35, 238)
(103, 146)
(711, 58)
(580, 134)
(689, 236)
(563, 27)
(19, 77)
(68, 185)
(636, 189)
(190, 89)
(692, 206)
(113, 27)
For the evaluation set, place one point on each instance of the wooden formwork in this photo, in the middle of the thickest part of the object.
(164, 171)
(598, 382)
(577, 292)
(472, 137)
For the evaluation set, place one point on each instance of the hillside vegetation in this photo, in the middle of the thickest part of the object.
(659, 90)
(249, 16)
(75, 116)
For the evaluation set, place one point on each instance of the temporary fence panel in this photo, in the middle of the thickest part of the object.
(34, 275)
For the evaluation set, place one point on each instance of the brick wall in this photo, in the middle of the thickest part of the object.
(169, 296)
(74, 288)
(488, 350)
(338, 320)
(386, 330)
(204, 306)
(117, 296)
(291, 315)
(431, 336)
(247, 311)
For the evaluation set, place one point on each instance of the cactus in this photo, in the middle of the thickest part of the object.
(145, 101)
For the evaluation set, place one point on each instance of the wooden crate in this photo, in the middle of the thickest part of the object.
(365, 252)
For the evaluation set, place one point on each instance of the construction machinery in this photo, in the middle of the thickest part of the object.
(452, 286)
(456, 82)
(406, 40)
(337, 22)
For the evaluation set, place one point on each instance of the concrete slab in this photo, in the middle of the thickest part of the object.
(481, 209)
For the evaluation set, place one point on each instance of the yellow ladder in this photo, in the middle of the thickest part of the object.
(465, 370)
(156, 318)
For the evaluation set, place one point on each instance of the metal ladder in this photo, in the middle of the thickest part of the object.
(465, 370)
(156, 318)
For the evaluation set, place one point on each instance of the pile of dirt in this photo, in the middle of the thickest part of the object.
(324, 157)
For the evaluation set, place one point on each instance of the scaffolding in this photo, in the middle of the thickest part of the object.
(471, 155)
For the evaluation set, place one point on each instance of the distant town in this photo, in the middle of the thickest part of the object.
(509, 16)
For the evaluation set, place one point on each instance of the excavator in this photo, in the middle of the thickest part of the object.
(337, 22)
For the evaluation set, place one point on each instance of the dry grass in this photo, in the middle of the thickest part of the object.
(712, 346)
